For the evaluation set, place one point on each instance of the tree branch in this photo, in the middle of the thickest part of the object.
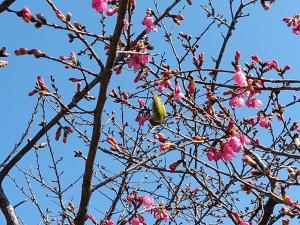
(102, 96)
(267, 211)
(7, 209)
(5, 4)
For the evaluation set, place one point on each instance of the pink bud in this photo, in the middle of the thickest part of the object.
(26, 15)
(112, 11)
(287, 67)
(160, 137)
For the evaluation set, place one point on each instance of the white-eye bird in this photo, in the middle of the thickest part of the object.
(159, 112)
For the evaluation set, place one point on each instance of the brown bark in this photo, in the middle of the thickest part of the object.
(102, 96)
(267, 211)
(7, 209)
(5, 4)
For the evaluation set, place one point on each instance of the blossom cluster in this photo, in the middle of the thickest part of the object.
(159, 212)
(229, 148)
(294, 22)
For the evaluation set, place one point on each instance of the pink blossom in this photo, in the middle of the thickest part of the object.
(137, 221)
(161, 214)
(112, 11)
(141, 102)
(295, 22)
(178, 95)
(235, 143)
(272, 64)
(148, 21)
(147, 202)
(112, 141)
(245, 94)
(227, 152)
(255, 59)
(92, 218)
(26, 15)
(163, 84)
(253, 103)
(99, 5)
(141, 119)
(287, 67)
(237, 102)
(214, 154)
(138, 60)
(244, 139)
(240, 78)
(109, 222)
(160, 137)
(64, 58)
(264, 122)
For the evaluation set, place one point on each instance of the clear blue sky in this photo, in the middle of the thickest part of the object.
(262, 33)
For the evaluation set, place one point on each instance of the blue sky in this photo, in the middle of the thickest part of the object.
(262, 33)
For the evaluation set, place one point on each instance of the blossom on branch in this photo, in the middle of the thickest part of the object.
(99, 5)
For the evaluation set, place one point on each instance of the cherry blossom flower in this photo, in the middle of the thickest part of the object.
(161, 214)
(237, 101)
(141, 102)
(99, 5)
(253, 103)
(138, 60)
(163, 84)
(244, 139)
(109, 222)
(235, 143)
(142, 118)
(264, 122)
(227, 152)
(214, 154)
(293, 21)
(137, 221)
(112, 11)
(147, 202)
(178, 95)
(240, 78)
(148, 21)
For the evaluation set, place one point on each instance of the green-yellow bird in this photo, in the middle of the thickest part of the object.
(159, 112)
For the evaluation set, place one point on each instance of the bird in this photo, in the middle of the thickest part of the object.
(159, 111)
